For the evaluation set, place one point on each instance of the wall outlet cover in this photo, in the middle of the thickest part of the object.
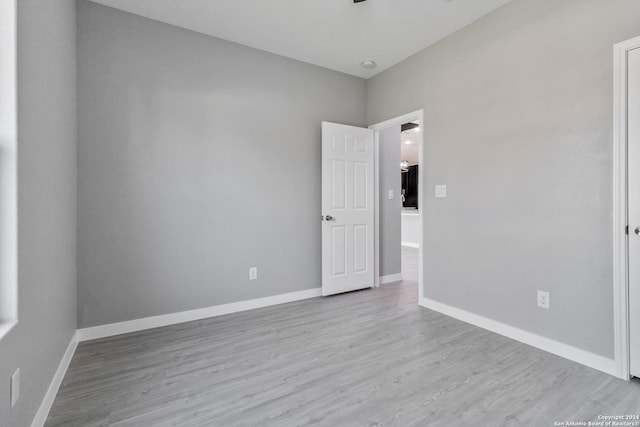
(441, 191)
(543, 299)
(253, 273)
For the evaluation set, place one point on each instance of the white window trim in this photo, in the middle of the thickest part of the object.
(8, 168)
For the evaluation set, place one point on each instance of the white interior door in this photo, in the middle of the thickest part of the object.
(633, 159)
(347, 208)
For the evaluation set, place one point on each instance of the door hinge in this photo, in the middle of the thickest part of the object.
(626, 231)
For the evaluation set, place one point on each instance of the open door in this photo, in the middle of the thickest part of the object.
(347, 208)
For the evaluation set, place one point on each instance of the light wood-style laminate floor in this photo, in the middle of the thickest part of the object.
(368, 358)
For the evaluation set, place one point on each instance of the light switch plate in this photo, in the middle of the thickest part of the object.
(441, 191)
(390, 194)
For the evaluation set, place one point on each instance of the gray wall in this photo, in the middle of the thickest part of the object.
(198, 158)
(518, 108)
(389, 179)
(46, 204)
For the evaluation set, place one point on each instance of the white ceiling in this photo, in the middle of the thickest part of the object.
(335, 34)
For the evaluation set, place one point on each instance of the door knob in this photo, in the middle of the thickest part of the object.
(637, 231)
(330, 218)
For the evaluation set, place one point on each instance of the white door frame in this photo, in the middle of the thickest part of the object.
(620, 222)
(398, 121)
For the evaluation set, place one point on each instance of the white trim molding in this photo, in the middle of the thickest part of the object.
(410, 245)
(418, 116)
(391, 278)
(8, 168)
(620, 249)
(376, 208)
(112, 329)
(575, 354)
(50, 395)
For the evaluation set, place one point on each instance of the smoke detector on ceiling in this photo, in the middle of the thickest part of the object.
(368, 63)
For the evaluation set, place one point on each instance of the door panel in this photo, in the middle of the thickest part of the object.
(360, 248)
(347, 208)
(633, 99)
(338, 251)
(338, 184)
(360, 185)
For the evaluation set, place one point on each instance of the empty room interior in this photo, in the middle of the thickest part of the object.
(319, 212)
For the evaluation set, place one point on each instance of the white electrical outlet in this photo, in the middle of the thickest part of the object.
(253, 273)
(15, 387)
(543, 299)
(390, 194)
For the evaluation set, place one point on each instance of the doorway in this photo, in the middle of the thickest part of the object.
(413, 122)
(626, 208)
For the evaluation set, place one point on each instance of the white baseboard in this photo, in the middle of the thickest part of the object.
(391, 278)
(50, 395)
(410, 245)
(575, 354)
(112, 329)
